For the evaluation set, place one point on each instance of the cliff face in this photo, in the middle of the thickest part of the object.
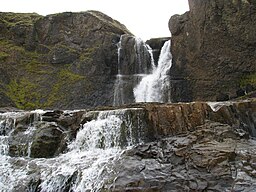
(70, 60)
(66, 60)
(213, 47)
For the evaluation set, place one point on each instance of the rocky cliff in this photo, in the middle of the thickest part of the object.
(71, 60)
(213, 47)
(172, 147)
(66, 60)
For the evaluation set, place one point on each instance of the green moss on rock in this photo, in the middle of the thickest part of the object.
(12, 19)
(3, 56)
(64, 77)
(68, 76)
(248, 79)
(23, 93)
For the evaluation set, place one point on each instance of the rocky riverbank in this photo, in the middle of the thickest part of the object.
(175, 147)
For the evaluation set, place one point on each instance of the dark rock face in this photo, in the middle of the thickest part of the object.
(66, 60)
(41, 135)
(47, 141)
(156, 44)
(210, 158)
(213, 47)
(134, 56)
(200, 148)
(181, 118)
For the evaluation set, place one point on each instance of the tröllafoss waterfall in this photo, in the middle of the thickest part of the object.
(84, 159)
(135, 61)
(138, 78)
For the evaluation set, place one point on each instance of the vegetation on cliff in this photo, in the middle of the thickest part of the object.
(53, 61)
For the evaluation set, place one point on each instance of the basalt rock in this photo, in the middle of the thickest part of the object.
(213, 47)
(65, 60)
(148, 122)
(202, 147)
(213, 157)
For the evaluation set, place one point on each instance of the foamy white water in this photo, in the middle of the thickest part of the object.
(155, 87)
(129, 74)
(86, 165)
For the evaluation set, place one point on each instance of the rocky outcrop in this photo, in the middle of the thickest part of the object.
(47, 134)
(66, 60)
(213, 157)
(134, 57)
(172, 147)
(70, 60)
(213, 47)
(37, 135)
(181, 118)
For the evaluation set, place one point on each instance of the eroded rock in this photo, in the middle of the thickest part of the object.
(208, 158)
(212, 48)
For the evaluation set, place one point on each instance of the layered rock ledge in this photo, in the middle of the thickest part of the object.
(178, 147)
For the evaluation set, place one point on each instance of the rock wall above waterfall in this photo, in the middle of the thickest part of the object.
(213, 47)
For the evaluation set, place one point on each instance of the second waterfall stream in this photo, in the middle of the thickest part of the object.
(139, 78)
(155, 87)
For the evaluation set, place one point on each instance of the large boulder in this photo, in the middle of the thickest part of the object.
(213, 47)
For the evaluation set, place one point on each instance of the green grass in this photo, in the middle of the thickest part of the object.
(23, 93)
(12, 19)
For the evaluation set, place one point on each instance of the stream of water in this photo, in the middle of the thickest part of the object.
(84, 167)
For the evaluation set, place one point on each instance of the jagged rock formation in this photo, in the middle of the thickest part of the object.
(66, 60)
(213, 47)
(180, 147)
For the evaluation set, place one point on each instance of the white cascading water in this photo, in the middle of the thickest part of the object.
(118, 88)
(86, 163)
(125, 83)
(155, 87)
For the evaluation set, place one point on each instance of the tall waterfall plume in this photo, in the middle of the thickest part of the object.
(155, 87)
(135, 61)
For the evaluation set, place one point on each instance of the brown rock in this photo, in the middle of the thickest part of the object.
(213, 49)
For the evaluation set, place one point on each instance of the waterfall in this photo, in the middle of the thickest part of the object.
(87, 163)
(155, 87)
(135, 61)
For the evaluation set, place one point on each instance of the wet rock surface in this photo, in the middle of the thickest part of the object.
(213, 157)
